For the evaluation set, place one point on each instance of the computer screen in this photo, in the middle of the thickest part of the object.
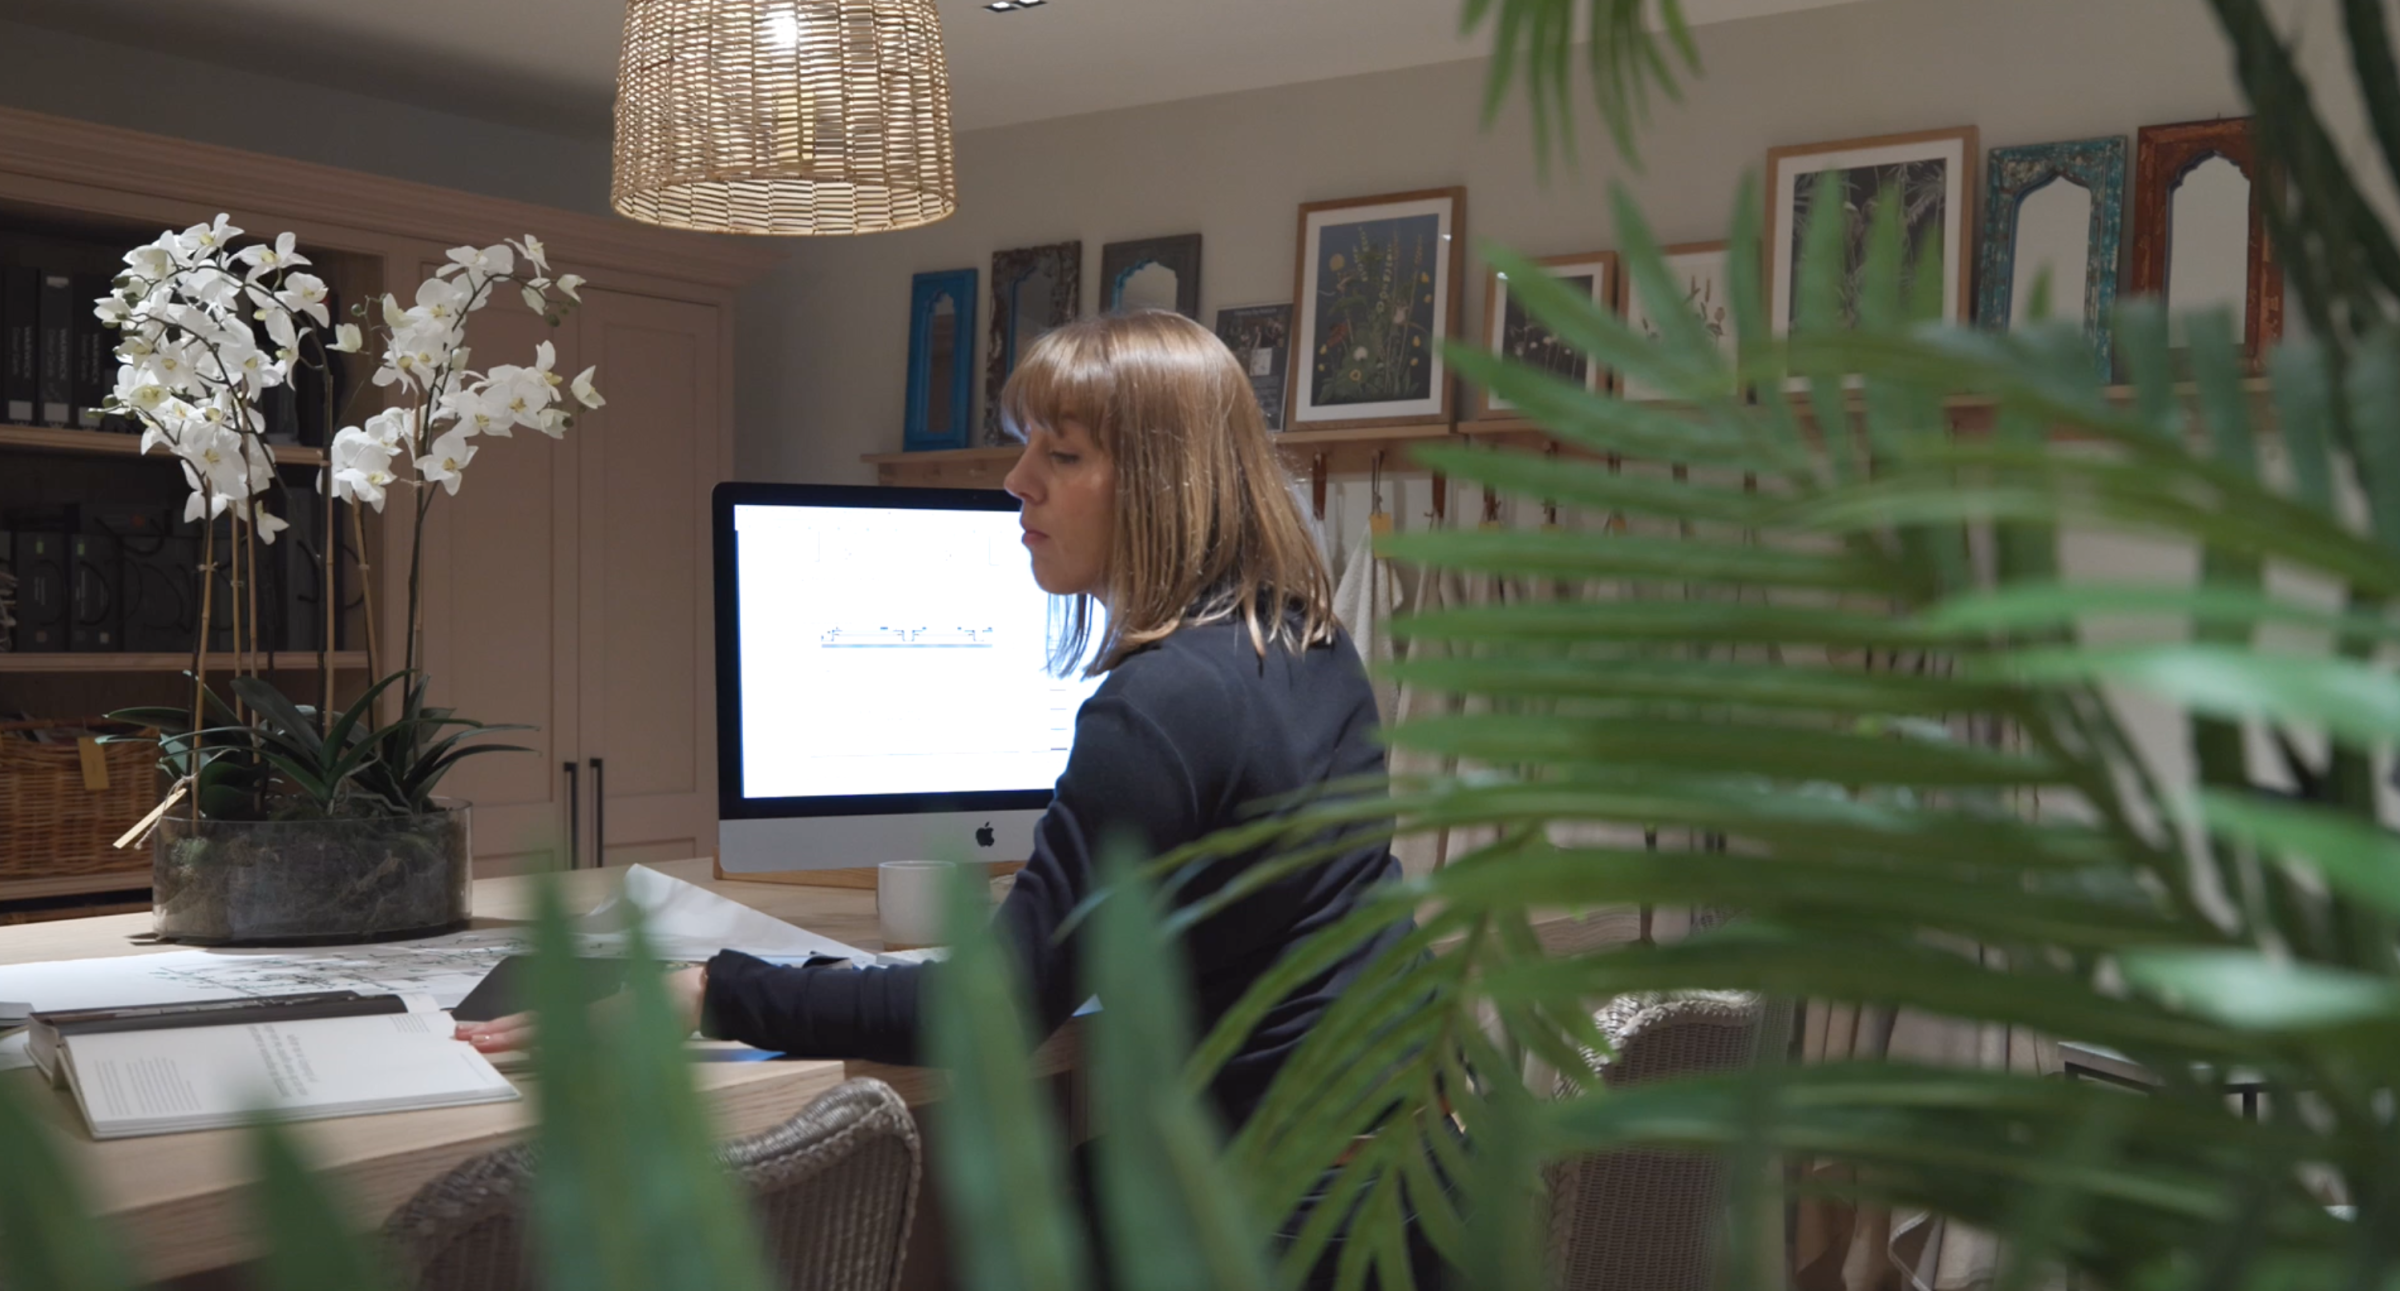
(884, 689)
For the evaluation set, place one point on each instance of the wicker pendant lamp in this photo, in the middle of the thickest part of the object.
(789, 117)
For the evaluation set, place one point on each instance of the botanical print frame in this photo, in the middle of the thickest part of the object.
(1180, 255)
(1512, 333)
(2163, 156)
(928, 387)
(1260, 337)
(1938, 164)
(1705, 272)
(1357, 364)
(1017, 322)
(2010, 176)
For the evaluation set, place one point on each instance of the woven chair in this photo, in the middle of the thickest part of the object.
(834, 1189)
(1645, 1220)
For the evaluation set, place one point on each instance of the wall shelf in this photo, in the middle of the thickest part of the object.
(95, 443)
(99, 661)
(1354, 449)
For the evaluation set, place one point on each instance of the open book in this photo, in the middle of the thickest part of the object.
(197, 1067)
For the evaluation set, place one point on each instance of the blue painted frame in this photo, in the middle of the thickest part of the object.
(2097, 166)
(926, 290)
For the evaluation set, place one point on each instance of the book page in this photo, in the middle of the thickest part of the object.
(130, 1081)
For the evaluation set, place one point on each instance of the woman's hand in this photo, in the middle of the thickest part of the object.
(685, 989)
(500, 1035)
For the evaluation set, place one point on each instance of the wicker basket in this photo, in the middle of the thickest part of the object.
(59, 822)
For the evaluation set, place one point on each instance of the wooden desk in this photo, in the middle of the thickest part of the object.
(176, 1199)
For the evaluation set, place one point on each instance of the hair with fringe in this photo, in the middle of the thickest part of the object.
(1206, 528)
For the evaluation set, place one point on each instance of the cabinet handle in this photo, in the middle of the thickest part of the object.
(599, 817)
(574, 814)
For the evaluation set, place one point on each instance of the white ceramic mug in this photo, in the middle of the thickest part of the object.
(908, 902)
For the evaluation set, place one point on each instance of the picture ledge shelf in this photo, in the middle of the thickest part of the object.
(97, 443)
(1353, 448)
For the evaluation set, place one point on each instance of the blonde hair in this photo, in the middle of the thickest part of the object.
(1206, 528)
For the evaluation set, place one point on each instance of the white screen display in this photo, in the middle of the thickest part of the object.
(895, 651)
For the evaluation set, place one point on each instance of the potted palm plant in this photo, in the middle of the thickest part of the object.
(284, 821)
(2235, 918)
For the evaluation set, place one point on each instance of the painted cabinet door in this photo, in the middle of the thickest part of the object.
(646, 464)
(501, 640)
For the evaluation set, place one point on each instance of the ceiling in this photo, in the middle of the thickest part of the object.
(551, 64)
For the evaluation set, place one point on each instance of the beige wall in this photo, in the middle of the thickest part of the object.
(823, 341)
(251, 108)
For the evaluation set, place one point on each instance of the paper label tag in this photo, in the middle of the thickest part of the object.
(95, 764)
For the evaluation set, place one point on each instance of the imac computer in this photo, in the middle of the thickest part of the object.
(883, 683)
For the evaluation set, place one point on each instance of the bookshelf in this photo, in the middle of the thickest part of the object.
(103, 661)
(93, 443)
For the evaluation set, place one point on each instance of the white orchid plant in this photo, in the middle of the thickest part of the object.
(206, 328)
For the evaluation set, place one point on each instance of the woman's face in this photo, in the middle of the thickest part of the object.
(1067, 489)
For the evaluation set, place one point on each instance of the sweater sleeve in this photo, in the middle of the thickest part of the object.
(1125, 777)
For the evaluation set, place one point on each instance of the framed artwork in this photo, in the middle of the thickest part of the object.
(1932, 172)
(941, 361)
(1034, 289)
(1375, 294)
(1260, 337)
(1703, 275)
(1155, 273)
(2055, 208)
(1512, 333)
(2198, 240)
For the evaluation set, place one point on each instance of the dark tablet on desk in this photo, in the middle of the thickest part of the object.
(508, 988)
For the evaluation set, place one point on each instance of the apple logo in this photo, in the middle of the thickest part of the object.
(983, 836)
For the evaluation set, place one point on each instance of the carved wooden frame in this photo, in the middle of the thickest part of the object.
(2163, 155)
(926, 290)
(2010, 175)
(1180, 253)
(1065, 260)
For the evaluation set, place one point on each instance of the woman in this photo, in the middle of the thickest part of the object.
(1149, 491)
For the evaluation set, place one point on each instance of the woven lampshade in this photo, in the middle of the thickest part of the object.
(783, 116)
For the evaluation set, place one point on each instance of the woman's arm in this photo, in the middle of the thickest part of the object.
(1125, 775)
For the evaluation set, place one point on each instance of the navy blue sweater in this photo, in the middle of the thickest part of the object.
(1181, 740)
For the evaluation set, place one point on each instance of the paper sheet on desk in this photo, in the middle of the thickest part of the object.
(688, 922)
(685, 922)
(445, 968)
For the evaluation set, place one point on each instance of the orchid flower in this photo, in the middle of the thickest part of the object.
(440, 299)
(521, 393)
(267, 523)
(492, 261)
(152, 262)
(531, 248)
(445, 464)
(475, 414)
(305, 294)
(391, 428)
(264, 259)
(204, 240)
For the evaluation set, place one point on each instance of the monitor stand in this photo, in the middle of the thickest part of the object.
(859, 879)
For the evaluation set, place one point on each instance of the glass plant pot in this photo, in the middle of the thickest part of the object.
(310, 882)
